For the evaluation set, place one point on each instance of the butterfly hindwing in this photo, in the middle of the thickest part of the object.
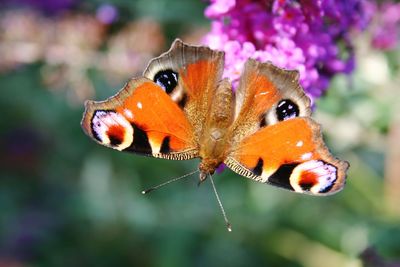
(290, 154)
(141, 118)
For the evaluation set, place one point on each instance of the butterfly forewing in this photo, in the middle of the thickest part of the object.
(198, 70)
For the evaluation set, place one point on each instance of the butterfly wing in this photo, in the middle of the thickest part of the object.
(161, 114)
(143, 119)
(290, 154)
(274, 140)
(262, 88)
(197, 70)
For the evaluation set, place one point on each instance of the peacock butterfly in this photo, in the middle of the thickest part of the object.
(182, 108)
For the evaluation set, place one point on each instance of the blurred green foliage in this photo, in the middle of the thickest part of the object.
(66, 201)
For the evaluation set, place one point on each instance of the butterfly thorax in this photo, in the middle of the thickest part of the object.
(214, 141)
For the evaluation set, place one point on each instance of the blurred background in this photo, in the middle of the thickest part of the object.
(66, 201)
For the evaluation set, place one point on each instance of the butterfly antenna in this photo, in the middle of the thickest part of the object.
(168, 182)
(228, 225)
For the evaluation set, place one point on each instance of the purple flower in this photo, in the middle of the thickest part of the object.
(107, 13)
(218, 8)
(312, 36)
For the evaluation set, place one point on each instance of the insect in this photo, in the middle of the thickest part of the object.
(182, 108)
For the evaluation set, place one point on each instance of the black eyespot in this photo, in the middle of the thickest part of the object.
(286, 109)
(167, 79)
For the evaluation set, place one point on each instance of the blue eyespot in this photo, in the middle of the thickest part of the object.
(167, 79)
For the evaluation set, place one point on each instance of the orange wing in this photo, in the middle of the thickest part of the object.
(141, 118)
(262, 88)
(290, 154)
(197, 71)
(273, 139)
(163, 113)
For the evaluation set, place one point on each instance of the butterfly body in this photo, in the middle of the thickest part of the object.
(214, 142)
(182, 108)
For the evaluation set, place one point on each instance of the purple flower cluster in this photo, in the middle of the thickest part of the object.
(49, 7)
(312, 36)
